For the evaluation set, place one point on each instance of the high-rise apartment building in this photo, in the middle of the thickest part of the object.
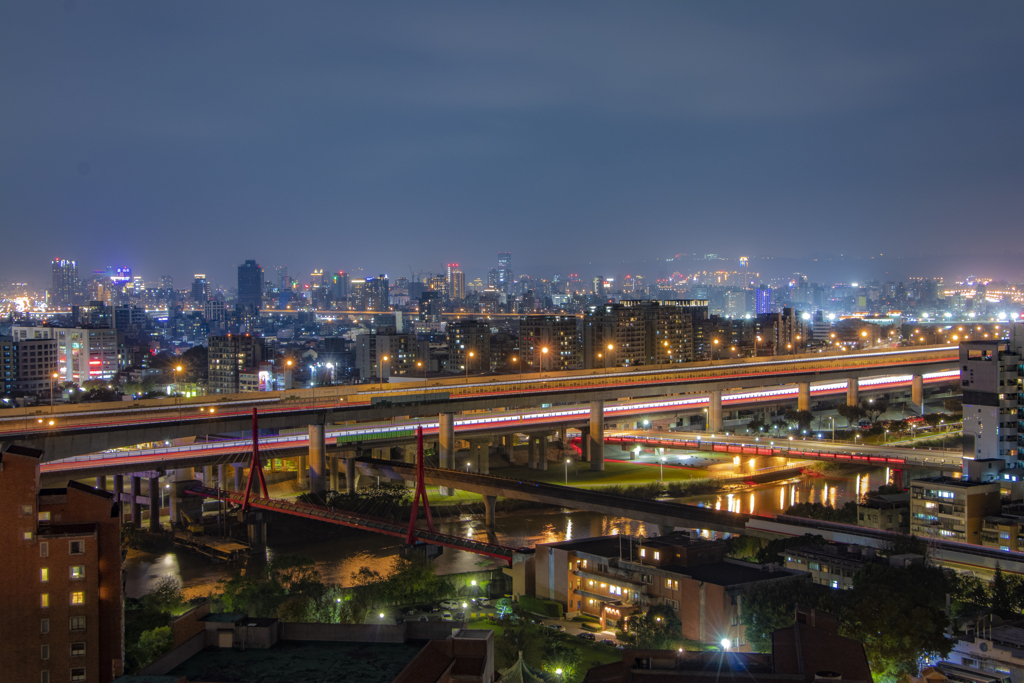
(65, 283)
(505, 275)
(250, 285)
(469, 342)
(231, 359)
(378, 293)
(36, 365)
(200, 289)
(644, 332)
(559, 334)
(763, 300)
(386, 353)
(952, 509)
(456, 282)
(8, 365)
(339, 285)
(598, 286)
(83, 353)
(60, 559)
(990, 377)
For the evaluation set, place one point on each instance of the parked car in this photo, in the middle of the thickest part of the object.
(586, 635)
(485, 602)
(451, 604)
(555, 627)
(460, 616)
(447, 616)
(409, 611)
(607, 641)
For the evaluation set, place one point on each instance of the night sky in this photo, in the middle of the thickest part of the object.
(180, 137)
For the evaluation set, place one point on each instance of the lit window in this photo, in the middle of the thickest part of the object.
(26, 509)
(44, 599)
(643, 552)
(657, 555)
(28, 535)
(78, 597)
(44, 516)
(44, 574)
(78, 649)
(78, 571)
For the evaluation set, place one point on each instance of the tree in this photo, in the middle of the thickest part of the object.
(903, 544)
(874, 409)
(932, 419)
(802, 418)
(899, 614)
(656, 630)
(850, 413)
(1004, 593)
(771, 605)
(153, 644)
(770, 551)
(560, 655)
(953, 405)
(165, 596)
(515, 638)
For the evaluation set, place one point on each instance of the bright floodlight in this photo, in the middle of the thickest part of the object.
(381, 615)
(726, 643)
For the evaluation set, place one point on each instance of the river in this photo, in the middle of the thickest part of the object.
(338, 558)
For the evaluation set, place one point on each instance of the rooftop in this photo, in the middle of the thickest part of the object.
(290, 661)
(730, 573)
(953, 481)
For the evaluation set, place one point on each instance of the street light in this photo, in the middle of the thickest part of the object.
(661, 467)
(543, 352)
(714, 343)
(469, 357)
(177, 369)
(52, 377)
(566, 471)
(608, 355)
(384, 359)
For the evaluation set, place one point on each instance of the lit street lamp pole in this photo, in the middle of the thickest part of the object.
(469, 357)
(384, 359)
(661, 466)
(566, 471)
(52, 377)
(177, 402)
(543, 352)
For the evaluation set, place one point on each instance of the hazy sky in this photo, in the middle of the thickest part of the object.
(180, 137)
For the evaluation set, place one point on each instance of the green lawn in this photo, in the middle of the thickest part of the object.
(614, 473)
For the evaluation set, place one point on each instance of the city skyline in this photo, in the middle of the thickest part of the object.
(434, 134)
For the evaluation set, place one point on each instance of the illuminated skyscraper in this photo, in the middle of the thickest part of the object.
(505, 271)
(65, 282)
(200, 288)
(456, 282)
(763, 301)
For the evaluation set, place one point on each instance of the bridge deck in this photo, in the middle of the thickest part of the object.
(366, 523)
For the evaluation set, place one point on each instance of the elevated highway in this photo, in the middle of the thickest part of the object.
(499, 423)
(79, 429)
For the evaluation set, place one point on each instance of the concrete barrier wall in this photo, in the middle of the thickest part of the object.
(430, 630)
(352, 633)
(189, 648)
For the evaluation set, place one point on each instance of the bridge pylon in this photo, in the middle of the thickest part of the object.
(255, 468)
(421, 492)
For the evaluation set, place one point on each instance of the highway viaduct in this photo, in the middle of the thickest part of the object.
(71, 430)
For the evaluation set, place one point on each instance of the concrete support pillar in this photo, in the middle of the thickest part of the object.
(479, 456)
(446, 446)
(585, 444)
(446, 440)
(715, 411)
(531, 460)
(803, 397)
(597, 436)
(317, 463)
(350, 475)
(562, 434)
(852, 391)
(118, 490)
(101, 483)
(303, 475)
(239, 473)
(208, 476)
(172, 504)
(154, 503)
(222, 479)
(136, 487)
(334, 473)
(509, 444)
(917, 391)
(542, 451)
(489, 503)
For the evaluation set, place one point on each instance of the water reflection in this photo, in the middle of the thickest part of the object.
(339, 558)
